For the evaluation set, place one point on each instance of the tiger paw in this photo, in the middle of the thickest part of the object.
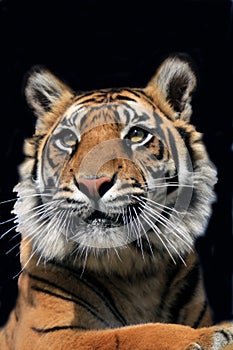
(194, 346)
(220, 339)
(223, 339)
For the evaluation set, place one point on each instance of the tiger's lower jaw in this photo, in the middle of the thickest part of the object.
(99, 237)
(81, 242)
(102, 220)
(105, 251)
(106, 230)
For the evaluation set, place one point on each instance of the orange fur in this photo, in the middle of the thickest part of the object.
(124, 297)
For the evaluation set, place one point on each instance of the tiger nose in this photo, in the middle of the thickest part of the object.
(95, 188)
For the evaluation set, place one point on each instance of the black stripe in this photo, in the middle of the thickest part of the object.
(83, 120)
(170, 274)
(99, 290)
(79, 302)
(173, 148)
(31, 157)
(124, 98)
(186, 137)
(117, 342)
(57, 328)
(160, 153)
(172, 187)
(133, 92)
(200, 316)
(65, 189)
(16, 316)
(35, 165)
(93, 99)
(185, 293)
(184, 134)
(107, 299)
(83, 95)
(8, 338)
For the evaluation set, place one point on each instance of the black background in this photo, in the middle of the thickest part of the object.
(94, 44)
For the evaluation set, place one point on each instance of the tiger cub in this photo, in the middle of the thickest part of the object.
(115, 187)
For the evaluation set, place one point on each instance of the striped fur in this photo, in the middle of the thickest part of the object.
(115, 187)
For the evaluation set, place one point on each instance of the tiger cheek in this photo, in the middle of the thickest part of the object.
(128, 171)
(158, 149)
(52, 164)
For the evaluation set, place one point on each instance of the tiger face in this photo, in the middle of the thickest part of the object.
(114, 174)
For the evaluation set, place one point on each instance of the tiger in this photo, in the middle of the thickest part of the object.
(114, 190)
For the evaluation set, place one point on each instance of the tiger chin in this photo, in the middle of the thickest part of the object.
(115, 187)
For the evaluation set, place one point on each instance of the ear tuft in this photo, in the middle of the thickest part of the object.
(175, 79)
(43, 89)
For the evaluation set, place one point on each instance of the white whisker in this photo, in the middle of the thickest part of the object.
(138, 233)
(7, 221)
(176, 215)
(170, 184)
(164, 178)
(9, 201)
(14, 236)
(84, 262)
(160, 205)
(117, 254)
(158, 234)
(126, 223)
(146, 235)
(25, 265)
(167, 224)
(8, 231)
(68, 222)
(62, 223)
(14, 247)
(172, 246)
(22, 222)
(26, 196)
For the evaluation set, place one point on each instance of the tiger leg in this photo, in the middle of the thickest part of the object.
(142, 337)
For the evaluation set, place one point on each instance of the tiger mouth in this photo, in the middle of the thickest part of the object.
(98, 218)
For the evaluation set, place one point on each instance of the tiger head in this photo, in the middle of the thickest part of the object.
(114, 176)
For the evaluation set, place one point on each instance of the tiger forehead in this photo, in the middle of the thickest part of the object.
(86, 116)
(111, 95)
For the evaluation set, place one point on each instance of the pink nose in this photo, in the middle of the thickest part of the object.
(95, 188)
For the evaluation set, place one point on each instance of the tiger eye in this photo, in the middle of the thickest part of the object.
(136, 135)
(67, 138)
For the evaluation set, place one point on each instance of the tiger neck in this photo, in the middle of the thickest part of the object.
(137, 297)
(129, 286)
(128, 264)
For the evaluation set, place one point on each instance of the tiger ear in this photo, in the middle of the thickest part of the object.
(43, 90)
(174, 82)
